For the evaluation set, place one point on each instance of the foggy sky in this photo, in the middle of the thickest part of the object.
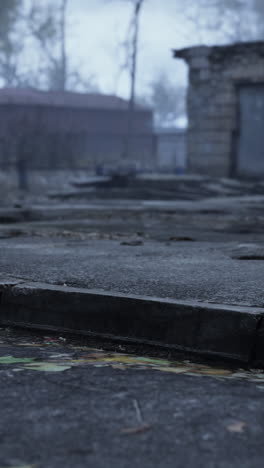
(96, 28)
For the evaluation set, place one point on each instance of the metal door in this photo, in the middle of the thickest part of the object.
(250, 161)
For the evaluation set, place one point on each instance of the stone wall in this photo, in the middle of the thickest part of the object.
(215, 75)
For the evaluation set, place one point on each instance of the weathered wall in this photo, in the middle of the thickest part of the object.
(41, 151)
(75, 120)
(46, 137)
(214, 78)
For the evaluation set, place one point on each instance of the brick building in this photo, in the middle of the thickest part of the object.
(226, 109)
(60, 131)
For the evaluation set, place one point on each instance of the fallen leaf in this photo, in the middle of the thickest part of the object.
(47, 367)
(241, 375)
(212, 371)
(136, 430)
(237, 427)
(118, 366)
(156, 362)
(175, 370)
(58, 356)
(126, 359)
(87, 361)
(84, 348)
(13, 360)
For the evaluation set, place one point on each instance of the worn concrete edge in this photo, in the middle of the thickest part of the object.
(221, 331)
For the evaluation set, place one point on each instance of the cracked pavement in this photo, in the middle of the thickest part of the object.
(101, 415)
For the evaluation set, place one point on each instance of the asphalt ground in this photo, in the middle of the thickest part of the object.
(182, 270)
(208, 251)
(68, 403)
(71, 402)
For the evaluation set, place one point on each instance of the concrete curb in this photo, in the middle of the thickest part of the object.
(223, 331)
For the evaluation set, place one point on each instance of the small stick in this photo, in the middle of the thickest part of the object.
(138, 411)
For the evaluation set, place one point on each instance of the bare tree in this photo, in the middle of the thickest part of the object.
(63, 64)
(258, 10)
(10, 46)
(134, 52)
(47, 25)
(131, 48)
(218, 19)
(167, 100)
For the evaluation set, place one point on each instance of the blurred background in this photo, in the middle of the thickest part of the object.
(92, 88)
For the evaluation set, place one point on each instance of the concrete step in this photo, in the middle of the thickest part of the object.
(213, 330)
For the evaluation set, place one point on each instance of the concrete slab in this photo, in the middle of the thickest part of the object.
(202, 271)
(31, 211)
(208, 329)
(176, 251)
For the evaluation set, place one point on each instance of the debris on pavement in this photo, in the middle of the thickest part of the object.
(41, 359)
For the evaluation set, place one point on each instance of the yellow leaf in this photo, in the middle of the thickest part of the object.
(175, 370)
(212, 371)
(155, 362)
(97, 355)
(85, 361)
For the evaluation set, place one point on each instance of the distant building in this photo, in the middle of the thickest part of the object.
(226, 109)
(64, 130)
(171, 150)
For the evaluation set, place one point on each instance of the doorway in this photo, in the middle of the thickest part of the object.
(250, 154)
